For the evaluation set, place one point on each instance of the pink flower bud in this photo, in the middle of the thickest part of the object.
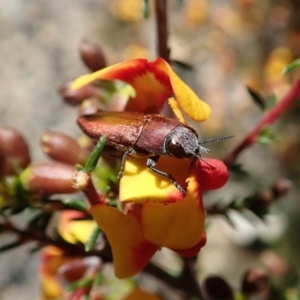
(48, 178)
(14, 152)
(63, 148)
(256, 282)
(77, 269)
(76, 97)
(92, 56)
(281, 188)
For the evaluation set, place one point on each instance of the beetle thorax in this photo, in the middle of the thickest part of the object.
(182, 142)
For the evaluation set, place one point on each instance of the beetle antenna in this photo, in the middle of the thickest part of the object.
(217, 139)
(205, 161)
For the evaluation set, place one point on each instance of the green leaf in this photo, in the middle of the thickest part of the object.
(86, 297)
(76, 204)
(291, 67)
(79, 167)
(228, 219)
(35, 249)
(271, 101)
(85, 282)
(182, 64)
(257, 98)
(266, 137)
(90, 244)
(238, 170)
(145, 9)
(40, 221)
(30, 213)
(113, 203)
(99, 278)
(95, 155)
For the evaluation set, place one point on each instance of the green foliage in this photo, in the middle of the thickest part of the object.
(95, 155)
(75, 204)
(91, 242)
(145, 9)
(291, 67)
(257, 98)
(266, 137)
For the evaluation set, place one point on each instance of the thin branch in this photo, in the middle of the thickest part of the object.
(26, 236)
(83, 181)
(186, 283)
(162, 29)
(268, 119)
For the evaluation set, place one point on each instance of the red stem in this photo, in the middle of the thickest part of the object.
(268, 119)
(83, 181)
(91, 193)
(162, 29)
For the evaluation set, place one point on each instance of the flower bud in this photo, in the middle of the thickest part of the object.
(48, 178)
(281, 188)
(76, 97)
(274, 263)
(14, 152)
(63, 148)
(77, 269)
(92, 56)
(256, 282)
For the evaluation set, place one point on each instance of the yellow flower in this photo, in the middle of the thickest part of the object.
(156, 216)
(155, 213)
(154, 83)
(53, 258)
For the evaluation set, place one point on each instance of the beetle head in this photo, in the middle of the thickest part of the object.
(182, 142)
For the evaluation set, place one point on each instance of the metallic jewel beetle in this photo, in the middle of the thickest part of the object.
(141, 134)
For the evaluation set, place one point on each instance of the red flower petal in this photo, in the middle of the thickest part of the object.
(193, 251)
(212, 176)
(131, 252)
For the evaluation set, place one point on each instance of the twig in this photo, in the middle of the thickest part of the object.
(186, 283)
(162, 29)
(183, 283)
(268, 119)
(26, 236)
(83, 181)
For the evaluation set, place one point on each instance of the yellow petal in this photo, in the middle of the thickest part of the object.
(152, 88)
(175, 107)
(51, 260)
(189, 102)
(79, 231)
(177, 225)
(139, 183)
(50, 287)
(131, 252)
(74, 231)
(110, 73)
(154, 82)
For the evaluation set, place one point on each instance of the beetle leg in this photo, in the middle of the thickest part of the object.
(124, 157)
(152, 161)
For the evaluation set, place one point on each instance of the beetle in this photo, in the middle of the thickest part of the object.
(142, 134)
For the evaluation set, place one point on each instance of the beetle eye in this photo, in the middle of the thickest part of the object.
(176, 149)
